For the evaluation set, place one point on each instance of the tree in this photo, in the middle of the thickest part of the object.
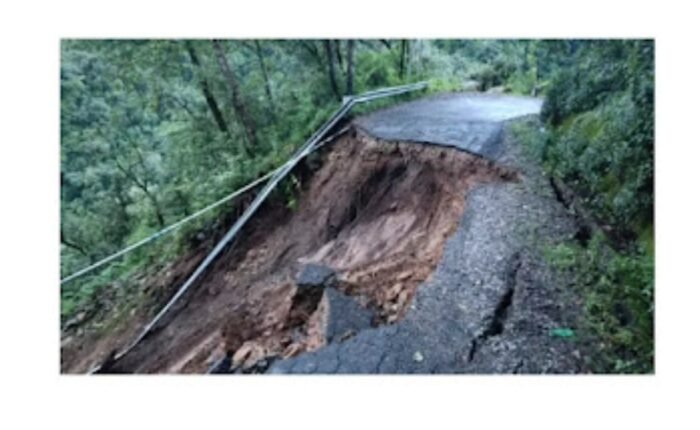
(311, 48)
(403, 58)
(386, 43)
(131, 172)
(204, 85)
(331, 68)
(349, 76)
(73, 245)
(236, 99)
(263, 69)
(338, 54)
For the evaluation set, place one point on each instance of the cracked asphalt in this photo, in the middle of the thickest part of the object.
(491, 302)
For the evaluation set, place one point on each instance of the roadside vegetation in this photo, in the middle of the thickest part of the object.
(153, 130)
(598, 145)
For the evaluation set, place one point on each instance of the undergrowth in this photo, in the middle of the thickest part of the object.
(617, 291)
(613, 278)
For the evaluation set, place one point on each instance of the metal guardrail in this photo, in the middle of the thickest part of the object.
(174, 226)
(275, 179)
(359, 99)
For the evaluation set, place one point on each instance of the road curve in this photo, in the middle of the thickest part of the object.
(468, 121)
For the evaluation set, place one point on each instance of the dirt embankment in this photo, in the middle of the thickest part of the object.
(376, 212)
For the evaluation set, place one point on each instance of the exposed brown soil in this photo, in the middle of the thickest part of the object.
(376, 212)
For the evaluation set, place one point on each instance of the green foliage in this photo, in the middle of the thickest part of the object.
(444, 85)
(288, 192)
(596, 155)
(618, 292)
(533, 137)
(376, 69)
(601, 70)
(599, 140)
(598, 74)
(602, 118)
(495, 74)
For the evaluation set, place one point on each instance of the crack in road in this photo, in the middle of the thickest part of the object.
(498, 318)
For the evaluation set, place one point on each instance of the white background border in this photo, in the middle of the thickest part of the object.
(34, 395)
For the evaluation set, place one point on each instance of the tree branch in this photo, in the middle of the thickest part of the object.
(73, 245)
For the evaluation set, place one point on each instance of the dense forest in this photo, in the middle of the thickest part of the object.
(153, 130)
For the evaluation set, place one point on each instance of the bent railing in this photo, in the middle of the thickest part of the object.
(275, 178)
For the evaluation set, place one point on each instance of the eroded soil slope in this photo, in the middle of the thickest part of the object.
(376, 212)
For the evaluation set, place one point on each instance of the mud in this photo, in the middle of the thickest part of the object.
(376, 212)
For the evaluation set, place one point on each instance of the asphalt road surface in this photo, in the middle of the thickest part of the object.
(471, 122)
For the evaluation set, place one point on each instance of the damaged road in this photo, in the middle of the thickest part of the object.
(491, 302)
(488, 307)
(395, 257)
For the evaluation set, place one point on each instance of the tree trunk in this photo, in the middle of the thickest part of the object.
(405, 59)
(402, 59)
(211, 101)
(338, 55)
(408, 59)
(238, 105)
(331, 68)
(349, 90)
(537, 68)
(263, 68)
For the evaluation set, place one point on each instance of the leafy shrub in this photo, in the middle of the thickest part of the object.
(599, 72)
(602, 140)
(618, 290)
(376, 70)
(444, 85)
(599, 112)
(495, 74)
